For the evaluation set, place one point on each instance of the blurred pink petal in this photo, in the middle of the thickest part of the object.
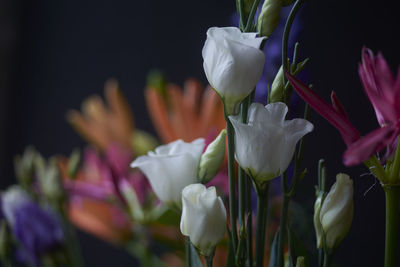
(370, 144)
(336, 116)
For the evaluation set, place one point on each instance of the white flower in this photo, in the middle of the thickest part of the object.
(203, 217)
(233, 64)
(264, 147)
(171, 167)
(336, 212)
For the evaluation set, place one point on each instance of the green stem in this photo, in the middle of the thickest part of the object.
(249, 224)
(327, 259)
(392, 194)
(320, 258)
(232, 188)
(285, 41)
(209, 261)
(394, 170)
(187, 252)
(262, 210)
(282, 226)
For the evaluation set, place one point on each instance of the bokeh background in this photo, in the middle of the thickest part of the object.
(54, 54)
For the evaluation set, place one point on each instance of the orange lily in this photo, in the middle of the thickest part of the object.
(102, 124)
(187, 114)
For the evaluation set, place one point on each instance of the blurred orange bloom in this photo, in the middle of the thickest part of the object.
(187, 114)
(102, 124)
(94, 216)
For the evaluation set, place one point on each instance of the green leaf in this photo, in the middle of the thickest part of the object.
(296, 248)
(273, 259)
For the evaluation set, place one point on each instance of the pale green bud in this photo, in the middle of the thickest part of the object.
(212, 158)
(336, 212)
(142, 142)
(277, 88)
(24, 167)
(317, 223)
(134, 206)
(269, 17)
(300, 262)
(74, 163)
(49, 179)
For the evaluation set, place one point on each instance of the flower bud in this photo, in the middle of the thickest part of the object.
(233, 64)
(269, 17)
(336, 212)
(300, 262)
(276, 94)
(317, 223)
(203, 217)
(212, 158)
(142, 142)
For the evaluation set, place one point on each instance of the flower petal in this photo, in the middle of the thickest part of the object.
(341, 123)
(368, 145)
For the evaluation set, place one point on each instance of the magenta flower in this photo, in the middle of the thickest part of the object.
(384, 93)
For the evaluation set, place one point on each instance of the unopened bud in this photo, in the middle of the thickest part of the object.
(142, 142)
(269, 17)
(277, 88)
(317, 223)
(300, 262)
(336, 212)
(212, 158)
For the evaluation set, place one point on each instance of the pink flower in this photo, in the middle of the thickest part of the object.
(384, 93)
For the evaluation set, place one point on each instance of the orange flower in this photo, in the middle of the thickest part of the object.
(94, 215)
(101, 124)
(185, 115)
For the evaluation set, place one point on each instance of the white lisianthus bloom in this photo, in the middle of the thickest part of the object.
(336, 212)
(203, 217)
(265, 145)
(171, 167)
(233, 64)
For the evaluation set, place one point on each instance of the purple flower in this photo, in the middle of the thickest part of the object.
(36, 229)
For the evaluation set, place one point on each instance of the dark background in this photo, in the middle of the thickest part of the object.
(53, 54)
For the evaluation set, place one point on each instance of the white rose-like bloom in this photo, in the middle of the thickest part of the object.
(171, 167)
(265, 145)
(203, 217)
(233, 64)
(336, 213)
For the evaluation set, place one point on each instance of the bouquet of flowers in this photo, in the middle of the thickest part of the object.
(206, 193)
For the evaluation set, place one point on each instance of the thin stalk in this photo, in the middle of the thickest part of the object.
(327, 259)
(285, 41)
(394, 170)
(232, 187)
(249, 223)
(262, 210)
(282, 227)
(187, 252)
(209, 259)
(320, 257)
(250, 19)
(392, 194)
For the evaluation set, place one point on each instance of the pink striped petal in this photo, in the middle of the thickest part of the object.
(370, 144)
(338, 120)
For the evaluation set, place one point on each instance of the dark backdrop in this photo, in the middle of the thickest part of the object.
(53, 54)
